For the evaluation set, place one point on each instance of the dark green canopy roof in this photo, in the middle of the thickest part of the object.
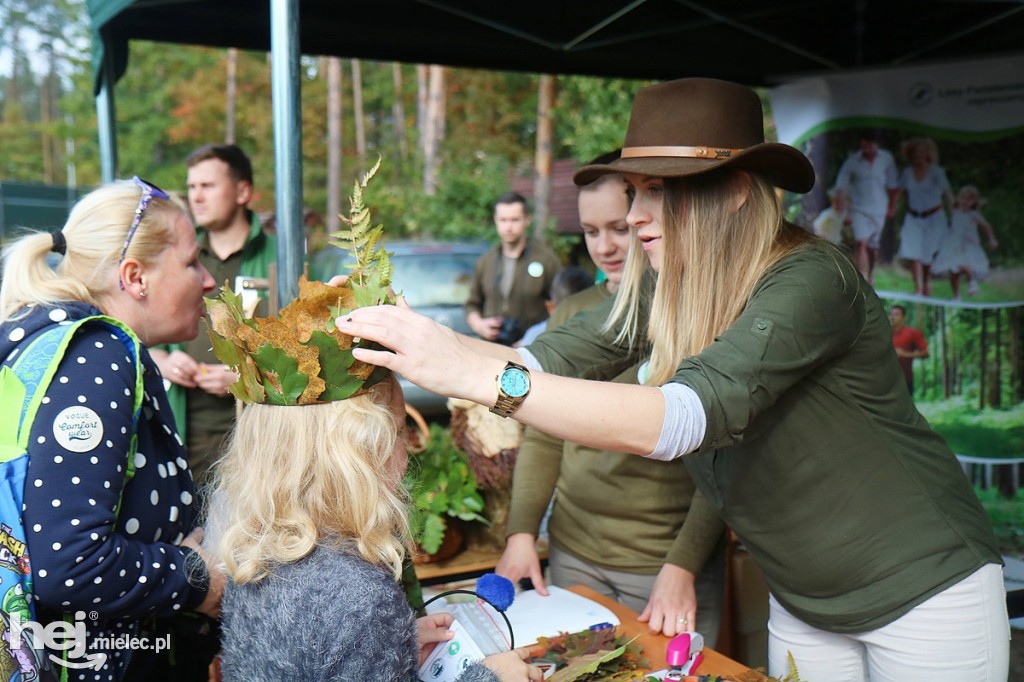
(756, 42)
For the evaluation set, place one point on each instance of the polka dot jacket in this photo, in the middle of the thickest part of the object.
(119, 568)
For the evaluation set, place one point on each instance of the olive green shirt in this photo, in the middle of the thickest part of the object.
(535, 270)
(613, 510)
(853, 507)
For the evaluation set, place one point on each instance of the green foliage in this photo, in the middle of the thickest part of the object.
(22, 144)
(591, 115)
(562, 244)
(794, 674)
(985, 432)
(30, 118)
(442, 486)
(1007, 517)
(463, 205)
(173, 99)
(954, 338)
(334, 368)
(149, 111)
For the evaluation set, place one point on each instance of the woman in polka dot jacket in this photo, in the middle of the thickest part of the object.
(128, 252)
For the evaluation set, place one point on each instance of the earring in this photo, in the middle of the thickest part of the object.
(142, 293)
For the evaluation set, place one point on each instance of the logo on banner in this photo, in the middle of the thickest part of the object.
(921, 94)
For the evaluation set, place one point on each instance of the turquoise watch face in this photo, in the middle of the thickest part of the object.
(515, 382)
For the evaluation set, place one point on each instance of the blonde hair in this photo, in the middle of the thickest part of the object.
(713, 256)
(926, 143)
(839, 192)
(95, 232)
(294, 478)
(633, 296)
(971, 191)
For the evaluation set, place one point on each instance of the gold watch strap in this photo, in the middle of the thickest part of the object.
(506, 404)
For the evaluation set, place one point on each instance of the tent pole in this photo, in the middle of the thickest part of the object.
(286, 83)
(106, 120)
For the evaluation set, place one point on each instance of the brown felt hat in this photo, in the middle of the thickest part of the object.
(696, 125)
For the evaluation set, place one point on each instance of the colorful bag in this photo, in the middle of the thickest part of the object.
(23, 384)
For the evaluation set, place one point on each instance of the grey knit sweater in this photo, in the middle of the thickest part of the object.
(330, 616)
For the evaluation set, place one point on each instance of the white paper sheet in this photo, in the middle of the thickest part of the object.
(534, 616)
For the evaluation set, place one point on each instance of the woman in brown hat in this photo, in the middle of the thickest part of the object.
(771, 368)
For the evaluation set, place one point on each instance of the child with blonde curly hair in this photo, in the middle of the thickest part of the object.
(308, 522)
(961, 252)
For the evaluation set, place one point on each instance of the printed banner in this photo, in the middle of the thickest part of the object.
(919, 174)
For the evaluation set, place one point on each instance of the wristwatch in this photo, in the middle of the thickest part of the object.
(513, 386)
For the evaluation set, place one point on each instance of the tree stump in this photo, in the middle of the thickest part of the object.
(492, 444)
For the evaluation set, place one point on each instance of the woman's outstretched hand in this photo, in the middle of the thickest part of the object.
(426, 353)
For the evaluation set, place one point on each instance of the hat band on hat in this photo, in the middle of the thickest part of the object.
(684, 152)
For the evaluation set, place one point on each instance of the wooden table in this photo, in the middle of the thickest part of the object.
(468, 563)
(654, 646)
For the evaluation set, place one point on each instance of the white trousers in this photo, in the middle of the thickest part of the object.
(962, 633)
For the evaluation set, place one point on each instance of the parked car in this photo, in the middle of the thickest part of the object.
(434, 277)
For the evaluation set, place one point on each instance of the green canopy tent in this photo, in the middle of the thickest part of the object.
(749, 41)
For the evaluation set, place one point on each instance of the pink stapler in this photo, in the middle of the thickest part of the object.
(683, 655)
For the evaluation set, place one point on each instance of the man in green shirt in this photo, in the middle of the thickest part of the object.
(512, 281)
(231, 245)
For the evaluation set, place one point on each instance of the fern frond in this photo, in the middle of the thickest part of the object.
(794, 674)
(371, 267)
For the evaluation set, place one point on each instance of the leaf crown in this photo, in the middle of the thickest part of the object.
(300, 357)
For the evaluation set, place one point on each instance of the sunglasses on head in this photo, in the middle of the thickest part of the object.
(149, 191)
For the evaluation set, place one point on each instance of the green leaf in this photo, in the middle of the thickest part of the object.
(473, 503)
(585, 665)
(334, 364)
(226, 351)
(438, 502)
(234, 303)
(282, 380)
(433, 533)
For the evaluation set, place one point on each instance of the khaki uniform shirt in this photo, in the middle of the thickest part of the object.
(535, 270)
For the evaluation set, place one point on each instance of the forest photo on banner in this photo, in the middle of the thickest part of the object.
(952, 252)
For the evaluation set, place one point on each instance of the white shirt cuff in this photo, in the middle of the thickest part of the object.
(528, 360)
(684, 425)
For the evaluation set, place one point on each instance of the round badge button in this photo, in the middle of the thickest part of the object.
(78, 429)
